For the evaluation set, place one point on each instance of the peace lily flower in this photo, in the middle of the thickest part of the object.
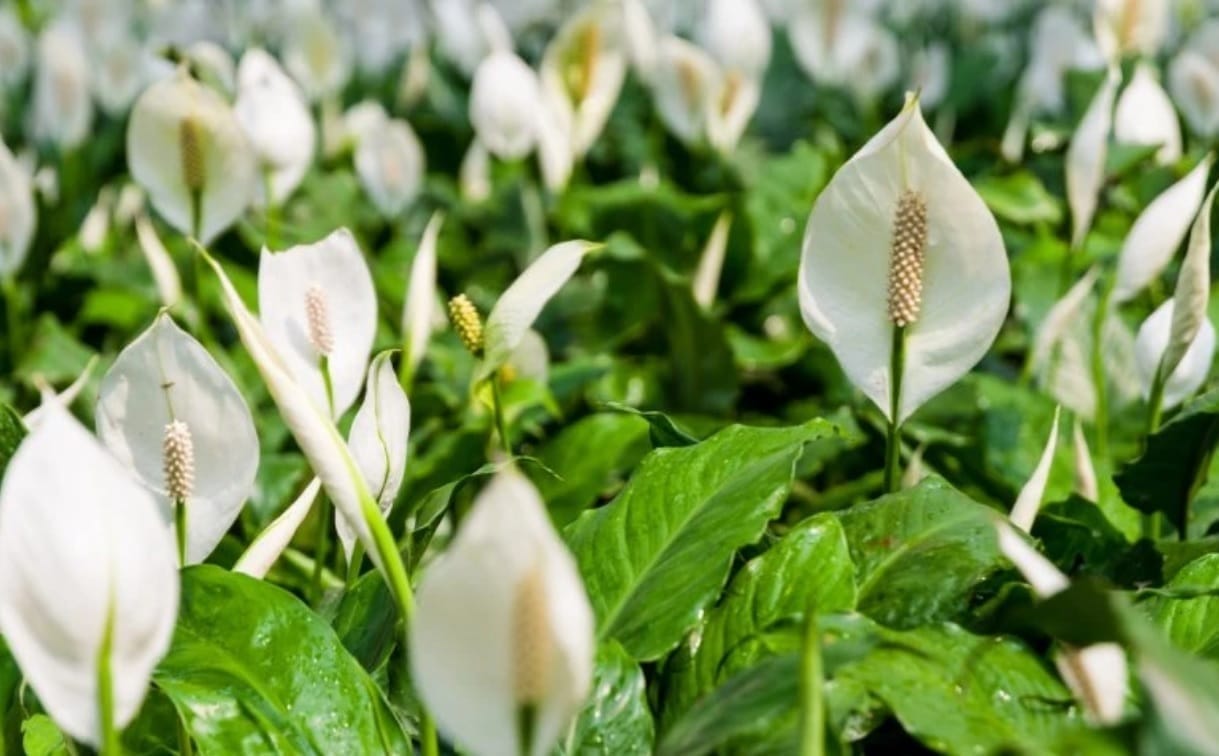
(582, 72)
(502, 648)
(903, 272)
(276, 120)
(214, 66)
(14, 48)
(1176, 344)
(505, 100)
(841, 44)
(18, 214)
(1158, 232)
(119, 72)
(62, 109)
(389, 162)
(318, 438)
(1085, 162)
(188, 152)
(1024, 512)
(464, 43)
(737, 35)
(1130, 27)
(378, 441)
(420, 302)
(88, 579)
(1193, 79)
(168, 412)
(316, 55)
(684, 84)
(1145, 116)
(319, 308)
(1096, 674)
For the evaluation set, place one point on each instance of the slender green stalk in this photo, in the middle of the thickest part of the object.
(328, 382)
(353, 566)
(1151, 521)
(893, 440)
(534, 213)
(271, 213)
(526, 718)
(185, 746)
(427, 734)
(105, 690)
(497, 403)
(812, 681)
(325, 513)
(1099, 378)
(12, 320)
(180, 529)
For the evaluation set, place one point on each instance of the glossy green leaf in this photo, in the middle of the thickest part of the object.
(616, 718)
(253, 670)
(1174, 465)
(656, 557)
(12, 430)
(1191, 623)
(588, 456)
(40, 737)
(920, 553)
(808, 567)
(1020, 198)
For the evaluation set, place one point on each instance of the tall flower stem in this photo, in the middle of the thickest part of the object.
(105, 690)
(1098, 371)
(893, 440)
(271, 236)
(325, 513)
(497, 407)
(180, 529)
(1155, 410)
(812, 679)
(8, 286)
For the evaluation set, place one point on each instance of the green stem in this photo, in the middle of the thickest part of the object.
(812, 708)
(1099, 380)
(427, 734)
(325, 513)
(185, 746)
(328, 382)
(105, 690)
(11, 318)
(497, 403)
(271, 215)
(1155, 409)
(535, 215)
(526, 718)
(180, 529)
(893, 439)
(353, 566)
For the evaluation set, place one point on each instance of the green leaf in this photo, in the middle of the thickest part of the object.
(655, 557)
(662, 430)
(252, 669)
(589, 456)
(810, 566)
(12, 430)
(702, 372)
(1019, 198)
(957, 692)
(365, 620)
(920, 553)
(1191, 623)
(1174, 465)
(616, 718)
(758, 706)
(41, 737)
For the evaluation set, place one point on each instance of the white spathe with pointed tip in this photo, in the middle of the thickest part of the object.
(843, 283)
(390, 164)
(505, 99)
(1085, 161)
(1193, 79)
(183, 137)
(519, 306)
(1193, 290)
(82, 545)
(467, 658)
(1158, 232)
(583, 70)
(420, 302)
(1150, 346)
(684, 82)
(275, 117)
(334, 267)
(1146, 116)
(165, 375)
(1024, 512)
(257, 559)
(61, 112)
(378, 440)
(737, 34)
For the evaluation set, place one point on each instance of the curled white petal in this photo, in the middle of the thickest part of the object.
(165, 375)
(164, 272)
(82, 546)
(1029, 500)
(522, 302)
(707, 276)
(463, 651)
(1085, 161)
(1158, 232)
(1041, 574)
(1099, 677)
(1061, 316)
(257, 559)
(1192, 294)
(420, 301)
(1145, 116)
(1150, 346)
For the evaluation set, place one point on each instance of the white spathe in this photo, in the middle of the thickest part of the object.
(316, 55)
(17, 210)
(844, 267)
(335, 267)
(378, 440)
(505, 99)
(82, 545)
(523, 300)
(62, 109)
(1158, 232)
(1145, 116)
(1130, 27)
(684, 83)
(737, 34)
(260, 555)
(1151, 344)
(1028, 502)
(163, 376)
(1085, 162)
(275, 117)
(1192, 293)
(421, 292)
(390, 164)
(1193, 79)
(167, 163)
(465, 654)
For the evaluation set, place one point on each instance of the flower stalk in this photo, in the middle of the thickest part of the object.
(812, 682)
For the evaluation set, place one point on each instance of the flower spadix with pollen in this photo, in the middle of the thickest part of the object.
(186, 149)
(899, 240)
(168, 412)
(84, 557)
(318, 304)
(467, 323)
(501, 647)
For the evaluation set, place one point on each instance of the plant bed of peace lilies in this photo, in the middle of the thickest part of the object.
(397, 377)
